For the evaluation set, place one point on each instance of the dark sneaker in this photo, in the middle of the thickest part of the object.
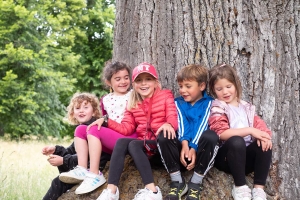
(177, 190)
(194, 191)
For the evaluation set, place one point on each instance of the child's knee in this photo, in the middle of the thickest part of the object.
(80, 132)
(210, 136)
(161, 139)
(236, 142)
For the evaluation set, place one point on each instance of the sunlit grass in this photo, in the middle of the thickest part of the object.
(25, 173)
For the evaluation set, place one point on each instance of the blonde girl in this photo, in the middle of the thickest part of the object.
(151, 111)
(90, 142)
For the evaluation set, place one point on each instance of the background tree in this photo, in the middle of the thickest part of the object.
(96, 47)
(45, 49)
(259, 38)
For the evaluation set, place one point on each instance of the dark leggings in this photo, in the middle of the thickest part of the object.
(236, 158)
(135, 148)
(207, 149)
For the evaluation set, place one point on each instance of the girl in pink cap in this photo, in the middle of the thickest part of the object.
(150, 111)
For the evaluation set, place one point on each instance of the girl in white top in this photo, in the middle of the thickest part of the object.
(91, 141)
(115, 105)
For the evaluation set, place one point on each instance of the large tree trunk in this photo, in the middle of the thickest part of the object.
(261, 39)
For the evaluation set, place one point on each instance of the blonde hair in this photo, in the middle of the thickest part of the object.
(224, 71)
(135, 97)
(76, 100)
(193, 72)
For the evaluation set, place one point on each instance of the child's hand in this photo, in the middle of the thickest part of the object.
(55, 160)
(98, 122)
(260, 135)
(187, 155)
(168, 129)
(184, 154)
(265, 145)
(47, 150)
(191, 158)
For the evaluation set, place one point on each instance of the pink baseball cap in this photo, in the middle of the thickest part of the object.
(144, 68)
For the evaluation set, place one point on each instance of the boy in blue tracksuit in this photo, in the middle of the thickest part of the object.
(195, 146)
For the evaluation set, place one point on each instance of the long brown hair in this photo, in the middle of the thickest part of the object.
(227, 72)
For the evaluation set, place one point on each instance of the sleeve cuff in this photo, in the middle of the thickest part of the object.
(193, 146)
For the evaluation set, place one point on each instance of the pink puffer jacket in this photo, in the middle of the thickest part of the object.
(220, 117)
(135, 120)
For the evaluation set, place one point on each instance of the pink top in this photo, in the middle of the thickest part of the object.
(222, 117)
(135, 119)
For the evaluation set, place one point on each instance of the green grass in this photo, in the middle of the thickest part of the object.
(25, 173)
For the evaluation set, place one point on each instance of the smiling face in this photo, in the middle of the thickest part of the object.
(83, 112)
(120, 82)
(226, 91)
(145, 85)
(191, 91)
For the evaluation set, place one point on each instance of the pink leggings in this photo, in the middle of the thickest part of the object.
(107, 137)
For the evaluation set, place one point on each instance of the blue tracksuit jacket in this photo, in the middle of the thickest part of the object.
(193, 120)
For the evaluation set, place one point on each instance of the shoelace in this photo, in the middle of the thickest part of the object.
(78, 171)
(194, 193)
(173, 191)
(90, 180)
(244, 192)
(105, 193)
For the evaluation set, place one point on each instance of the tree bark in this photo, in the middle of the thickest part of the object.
(260, 38)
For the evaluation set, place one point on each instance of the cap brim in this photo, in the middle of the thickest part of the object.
(144, 72)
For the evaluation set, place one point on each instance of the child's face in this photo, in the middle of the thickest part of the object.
(145, 85)
(83, 112)
(191, 91)
(120, 82)
(226, 91)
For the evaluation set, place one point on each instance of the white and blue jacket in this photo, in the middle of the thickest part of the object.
(193, 119)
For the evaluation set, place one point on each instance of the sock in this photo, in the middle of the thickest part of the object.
(197, 178)
(176, 176)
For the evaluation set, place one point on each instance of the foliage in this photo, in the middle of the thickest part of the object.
(45, 56)
(97, 46)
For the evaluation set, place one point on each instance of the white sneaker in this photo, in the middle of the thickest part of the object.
(91, 182)
(258, 194)
(73, 176)
(108, 195)
(146, 194)
(241, 193)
